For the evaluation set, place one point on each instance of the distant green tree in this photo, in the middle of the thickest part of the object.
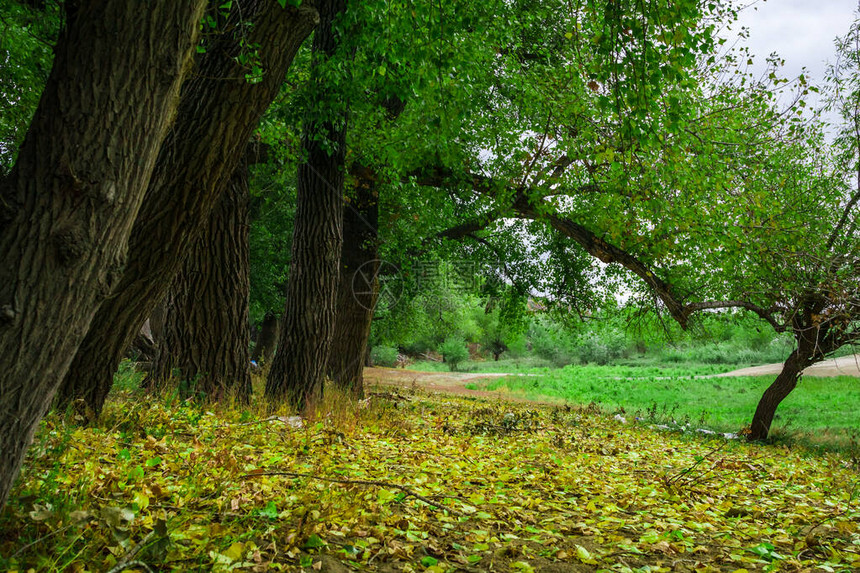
(454, 352)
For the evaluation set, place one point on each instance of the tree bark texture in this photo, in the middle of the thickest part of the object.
(206, 342)
(358, 286)
(267, 341)
(67, 207)
(785, 382)
(298, 369)
(217, 115)
(813, 344)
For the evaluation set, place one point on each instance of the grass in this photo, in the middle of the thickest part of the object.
(536, 365)
(824, 409)
(412, 482)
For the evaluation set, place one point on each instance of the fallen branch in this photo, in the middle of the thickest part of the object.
(39, 540)
(671, 482)
(409, 492)
(127, 560)
(291, 421)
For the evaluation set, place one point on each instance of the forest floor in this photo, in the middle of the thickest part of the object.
(411, 481)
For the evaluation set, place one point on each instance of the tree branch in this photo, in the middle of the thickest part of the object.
(403, 488)
(844, 219)
(765, 313)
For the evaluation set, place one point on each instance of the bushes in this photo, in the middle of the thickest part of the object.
(729, 353)
(602, 348)
(455, 352)
(383, 356)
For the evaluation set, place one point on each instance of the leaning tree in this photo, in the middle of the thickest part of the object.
(68, 205)
(238, 73)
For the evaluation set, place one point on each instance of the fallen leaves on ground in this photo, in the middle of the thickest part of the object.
(419, 483)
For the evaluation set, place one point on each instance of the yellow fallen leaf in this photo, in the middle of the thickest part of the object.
(235, 551)
(584, 555)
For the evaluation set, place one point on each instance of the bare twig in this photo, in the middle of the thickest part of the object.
(127, 560)
(44, 537)
(808, 538)
(670, 482)
(409, 492)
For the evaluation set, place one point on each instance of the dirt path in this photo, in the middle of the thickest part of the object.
(844, 366)
(441, 382)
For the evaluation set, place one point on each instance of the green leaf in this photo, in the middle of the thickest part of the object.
(270, 511)
(314, 542)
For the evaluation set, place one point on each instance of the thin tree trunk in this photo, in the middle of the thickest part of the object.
(298, 368)
(68, 205)
(267, 341)
(785, 382)
(358, 285)
(216, 118)
(206, 341)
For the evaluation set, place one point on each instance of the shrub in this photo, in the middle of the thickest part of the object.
(602, 348)
(383, 356)
(455, 352)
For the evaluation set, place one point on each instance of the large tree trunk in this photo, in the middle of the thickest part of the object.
(206, 332)
(216, 118)
(267, 341)
(358, 285)
(785, 382)
(298, 368)
(814, 342)
(67, 207)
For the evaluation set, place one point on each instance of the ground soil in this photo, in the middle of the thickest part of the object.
(440, 382)
(843, 366)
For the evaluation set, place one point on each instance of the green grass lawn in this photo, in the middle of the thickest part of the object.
(821, 409)
(535, 365)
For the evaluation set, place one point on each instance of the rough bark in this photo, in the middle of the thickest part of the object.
(298, 368)
(217, 115)
(358, 286)
(267, 341)
(206, 331)
(814, 342)
(68, 205)
(785, 382)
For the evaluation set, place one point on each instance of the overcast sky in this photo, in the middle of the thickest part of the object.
(800, 31)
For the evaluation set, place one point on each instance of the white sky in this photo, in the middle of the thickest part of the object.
(800, 31)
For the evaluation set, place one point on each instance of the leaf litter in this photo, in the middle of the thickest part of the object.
(419, 483)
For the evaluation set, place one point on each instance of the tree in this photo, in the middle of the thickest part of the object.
(206, 341)
(298, 369)
(67, 207)
(704, 190)
(220, 108)
(358, 285)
